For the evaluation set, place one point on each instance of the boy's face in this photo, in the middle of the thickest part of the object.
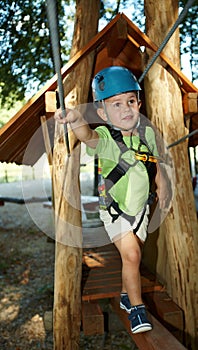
(121, 110)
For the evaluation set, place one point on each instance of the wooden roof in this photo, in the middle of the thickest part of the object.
(118, 43)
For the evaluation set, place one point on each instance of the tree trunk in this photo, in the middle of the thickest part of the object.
(68, 253)
(177, 262)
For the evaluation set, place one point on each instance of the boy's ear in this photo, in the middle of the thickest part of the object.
(139, 103)
(102, 114)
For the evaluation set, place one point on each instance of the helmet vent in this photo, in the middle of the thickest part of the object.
(101, 85)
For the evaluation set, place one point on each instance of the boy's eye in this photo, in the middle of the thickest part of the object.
(131, 101)
(116, 105)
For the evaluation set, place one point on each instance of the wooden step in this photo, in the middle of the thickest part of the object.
(167, 312)
(104, 278)
(92, 318)
(157, 339)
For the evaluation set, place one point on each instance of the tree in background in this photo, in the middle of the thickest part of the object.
(25, 53)
(189, 36)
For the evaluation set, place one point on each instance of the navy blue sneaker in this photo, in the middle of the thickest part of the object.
(125, 302)
(138, 319)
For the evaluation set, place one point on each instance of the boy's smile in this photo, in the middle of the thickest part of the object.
(122, 111)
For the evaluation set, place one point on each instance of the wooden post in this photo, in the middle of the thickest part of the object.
(177, 244)
(68, 252)
(46, 138)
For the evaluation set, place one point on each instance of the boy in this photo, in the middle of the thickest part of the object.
(125, 186)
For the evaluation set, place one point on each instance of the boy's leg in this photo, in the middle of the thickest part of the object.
(130, 252)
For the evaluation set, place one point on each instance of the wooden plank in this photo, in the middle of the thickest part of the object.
(157, 339)
(117, 38)
(167, 312)
(48, 146)
(50, 101)
(190, 103)
(92, 318)
(193, 141)
(110, 290)
(104, 281)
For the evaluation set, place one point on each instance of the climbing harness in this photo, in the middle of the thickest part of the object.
(105, 184)
(110, 82)
(55, 42)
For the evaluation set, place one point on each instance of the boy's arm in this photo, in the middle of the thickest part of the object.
(79, 126)
(162, 188)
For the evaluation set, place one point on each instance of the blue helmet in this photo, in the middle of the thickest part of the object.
(113, 81)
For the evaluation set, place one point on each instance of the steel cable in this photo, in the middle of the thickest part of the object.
(52, 15)
(170, 33)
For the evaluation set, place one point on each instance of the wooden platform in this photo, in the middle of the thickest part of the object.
(104, 279)
(157, 339)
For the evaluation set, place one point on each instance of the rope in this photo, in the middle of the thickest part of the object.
(170, 33)
(55, 42)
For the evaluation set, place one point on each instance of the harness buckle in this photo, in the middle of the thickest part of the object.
(144, 157)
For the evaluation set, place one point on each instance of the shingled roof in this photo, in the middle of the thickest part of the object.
(118, 43)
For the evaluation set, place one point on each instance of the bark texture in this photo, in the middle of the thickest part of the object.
(177, 243)
(68, 255)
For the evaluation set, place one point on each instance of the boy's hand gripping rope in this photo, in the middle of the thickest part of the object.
(52, 15)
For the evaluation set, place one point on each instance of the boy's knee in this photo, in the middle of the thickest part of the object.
(133, 256)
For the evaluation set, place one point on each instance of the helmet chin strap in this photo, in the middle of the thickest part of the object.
(113, 126)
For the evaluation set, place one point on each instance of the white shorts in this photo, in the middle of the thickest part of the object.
(121, 226)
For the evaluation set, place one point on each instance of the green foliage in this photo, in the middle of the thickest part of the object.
(25, 52)
(189, 36)
(8, 112)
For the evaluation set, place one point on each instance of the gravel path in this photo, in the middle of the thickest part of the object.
(26, 277)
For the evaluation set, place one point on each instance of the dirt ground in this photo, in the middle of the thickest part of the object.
(26, 276)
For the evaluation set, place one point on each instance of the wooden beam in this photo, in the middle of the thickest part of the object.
(190, 103)
(117, 38)
(46, 138)
(167, 312)
(157, 339)
(133, 41)
(50, 101)
(92, 318)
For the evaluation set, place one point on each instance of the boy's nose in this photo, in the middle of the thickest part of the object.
(126, 107)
